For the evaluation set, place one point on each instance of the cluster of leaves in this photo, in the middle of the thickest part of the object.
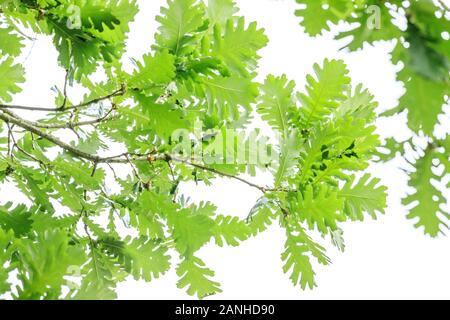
(86, 33)
(420, 29)
(80, 238)
(328, 135)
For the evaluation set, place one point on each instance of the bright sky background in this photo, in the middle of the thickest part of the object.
(386, 259)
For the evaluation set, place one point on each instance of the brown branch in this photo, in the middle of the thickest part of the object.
(444, 6)
(117, 93)
(123, 158)
(68, 125)
(27, 125)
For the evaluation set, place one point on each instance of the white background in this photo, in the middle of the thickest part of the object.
(384, 259)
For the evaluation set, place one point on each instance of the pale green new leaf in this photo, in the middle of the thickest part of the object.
(370, 23)
(296, 258)
(219, 11)
(191, 229)
(318, 14)
(260, 217)
(44, 263)
(363, 196)
(141, 257)
(196, 278)
(289, 155)
(98, 282)
(230, 230)
(10, 42)
(154, 70)
(237, 46)
(275, 102)
(320, 208)
(225, 95)
(178, 25)
(424, 100)
(325, 92)
(6, 249)
(11, 75)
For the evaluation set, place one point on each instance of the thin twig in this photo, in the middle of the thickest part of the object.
(9, 138)
(29, 155)
(113, 171)
(444, 6)
(66, 80)
(223, 174)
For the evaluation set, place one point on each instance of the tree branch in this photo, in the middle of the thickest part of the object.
(119, 92)
(444, 6)
(123, 158)
(68, 125)
(27, 125)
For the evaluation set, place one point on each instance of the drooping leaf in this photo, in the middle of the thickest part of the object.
(296, 258)
(143, 258)
(196, 278)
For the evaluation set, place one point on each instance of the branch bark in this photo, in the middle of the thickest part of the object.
(68, 125)
(124, 158)
(117, 93)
